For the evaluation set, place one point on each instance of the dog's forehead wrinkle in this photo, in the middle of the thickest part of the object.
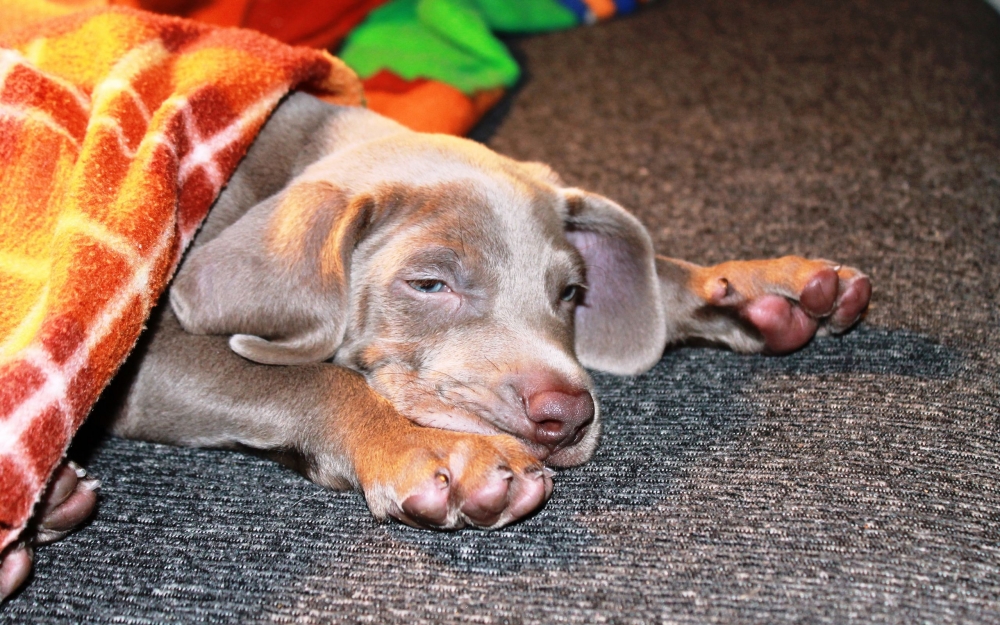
(444, 216)
(532, 220)
(411, 160)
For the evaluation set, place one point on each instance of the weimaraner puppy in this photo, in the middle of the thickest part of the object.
(412, 316)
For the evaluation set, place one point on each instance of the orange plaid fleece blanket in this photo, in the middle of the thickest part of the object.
(117, 130)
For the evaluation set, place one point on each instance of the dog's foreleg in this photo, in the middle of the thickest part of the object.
(773, 306)
(193, 390)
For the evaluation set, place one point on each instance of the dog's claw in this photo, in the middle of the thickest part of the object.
(721, 292)
(80, 471)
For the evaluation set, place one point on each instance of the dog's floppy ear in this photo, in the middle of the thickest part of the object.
(620, 324)
(277, 279)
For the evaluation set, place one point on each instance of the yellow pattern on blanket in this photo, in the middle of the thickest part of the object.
(117, 130)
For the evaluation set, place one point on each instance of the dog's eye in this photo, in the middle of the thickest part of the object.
(570, 293)
(428, 286)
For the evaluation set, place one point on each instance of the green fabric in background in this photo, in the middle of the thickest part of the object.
(526, 16)
(449, 40)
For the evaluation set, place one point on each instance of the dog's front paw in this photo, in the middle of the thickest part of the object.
(446, 480)
(789, 300)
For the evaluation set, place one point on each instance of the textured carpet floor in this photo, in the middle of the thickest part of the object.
(853, 481)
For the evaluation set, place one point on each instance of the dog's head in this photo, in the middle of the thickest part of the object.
(471, 290)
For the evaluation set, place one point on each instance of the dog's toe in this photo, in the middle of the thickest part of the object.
(70, 499)
(533, 491)
(15, 567)
(783, 326)
(485, 505)
(852, 302)
(819, 294)
(428, 505)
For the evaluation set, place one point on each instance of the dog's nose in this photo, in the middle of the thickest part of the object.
(559, 414)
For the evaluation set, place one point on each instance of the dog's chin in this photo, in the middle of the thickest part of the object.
(562, 457)
(577, 454)
(569, 456)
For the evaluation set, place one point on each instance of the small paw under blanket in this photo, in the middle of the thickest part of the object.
(117, 130)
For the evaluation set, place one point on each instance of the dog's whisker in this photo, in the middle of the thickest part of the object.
(315, 495)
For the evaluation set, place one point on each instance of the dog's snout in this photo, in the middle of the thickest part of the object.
(559, 414)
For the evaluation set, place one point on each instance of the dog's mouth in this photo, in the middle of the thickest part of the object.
(476, 410)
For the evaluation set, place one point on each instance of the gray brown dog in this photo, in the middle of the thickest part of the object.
(412, 315)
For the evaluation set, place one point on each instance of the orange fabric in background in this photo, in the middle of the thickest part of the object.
(603, 9)
(427, 105)
(15, 14)
(314, 23)
(423, 104)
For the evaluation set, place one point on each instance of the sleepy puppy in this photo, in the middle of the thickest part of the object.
(413, 315)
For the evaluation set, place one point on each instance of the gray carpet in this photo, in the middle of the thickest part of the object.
(855, 480)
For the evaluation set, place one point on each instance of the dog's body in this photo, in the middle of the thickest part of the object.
(435, 305)
(410, 315)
